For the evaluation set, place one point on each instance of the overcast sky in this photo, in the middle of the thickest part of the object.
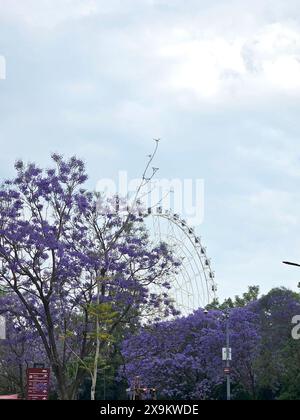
(218, 81)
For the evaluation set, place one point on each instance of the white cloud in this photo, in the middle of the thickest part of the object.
(46, 13)
(278, 157)
(202, 66)
(277, 208)
(219, 68)
(283, 72)
(208, 52)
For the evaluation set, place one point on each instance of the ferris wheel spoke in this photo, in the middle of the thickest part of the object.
(193, 285)
(197, 273)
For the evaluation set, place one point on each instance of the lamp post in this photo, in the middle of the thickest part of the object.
(227, 357)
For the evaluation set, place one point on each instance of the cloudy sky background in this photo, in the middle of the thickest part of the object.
(218, 81)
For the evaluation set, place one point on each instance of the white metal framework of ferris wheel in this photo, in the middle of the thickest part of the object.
(194, 285)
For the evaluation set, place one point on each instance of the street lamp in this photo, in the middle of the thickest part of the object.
(292, 264)
(226, 356)
(226, 352)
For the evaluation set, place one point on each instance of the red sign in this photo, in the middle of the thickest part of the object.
(227, 371)
(38, 384)
(9, 397)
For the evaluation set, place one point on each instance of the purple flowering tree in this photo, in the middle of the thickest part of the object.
(183, 359)
(22, 347)
(132, 278)
(63, 254)
(43, 252)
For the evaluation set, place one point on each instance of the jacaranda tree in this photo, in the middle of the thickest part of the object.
(21, 349)
(183, 358)
(79, 269)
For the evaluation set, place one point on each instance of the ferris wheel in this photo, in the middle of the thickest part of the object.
(194, 285)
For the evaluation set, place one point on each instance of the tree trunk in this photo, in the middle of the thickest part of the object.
(94, 375)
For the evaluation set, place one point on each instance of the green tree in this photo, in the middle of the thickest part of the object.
(251, 295)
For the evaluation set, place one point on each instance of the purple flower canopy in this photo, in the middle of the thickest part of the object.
(60, 246)
(183, 359)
